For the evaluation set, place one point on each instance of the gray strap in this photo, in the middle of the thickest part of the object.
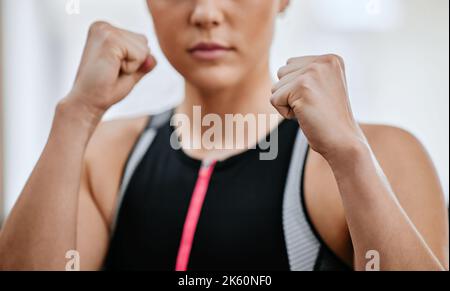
(138, 152)
(302, 245)
(158, 120)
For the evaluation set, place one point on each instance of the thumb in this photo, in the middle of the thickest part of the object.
(127, 82)
(147, 66)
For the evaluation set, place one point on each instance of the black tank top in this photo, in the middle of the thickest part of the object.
(240, 226)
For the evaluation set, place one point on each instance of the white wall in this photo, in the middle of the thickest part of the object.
(396, 54)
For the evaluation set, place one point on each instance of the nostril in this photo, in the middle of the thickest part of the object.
(206, 16)
(207, 24)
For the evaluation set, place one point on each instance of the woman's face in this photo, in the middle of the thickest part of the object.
(215, 43)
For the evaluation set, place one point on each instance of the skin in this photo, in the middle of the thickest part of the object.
(377, 183)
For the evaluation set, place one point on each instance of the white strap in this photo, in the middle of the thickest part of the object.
(301, 243)
(142, 145)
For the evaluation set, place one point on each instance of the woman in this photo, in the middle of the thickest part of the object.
(369, 192)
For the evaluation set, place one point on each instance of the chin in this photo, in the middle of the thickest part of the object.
(213, 78)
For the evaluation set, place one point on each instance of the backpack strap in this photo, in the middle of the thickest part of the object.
(143, 143)
(301, 242)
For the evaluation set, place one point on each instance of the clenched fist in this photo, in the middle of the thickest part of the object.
(313, 90)
(114, 60)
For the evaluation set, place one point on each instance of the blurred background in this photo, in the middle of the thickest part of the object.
(397, 55)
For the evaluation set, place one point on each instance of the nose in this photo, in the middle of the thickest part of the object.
(207, 14)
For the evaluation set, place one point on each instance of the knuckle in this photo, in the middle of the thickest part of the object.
(99, 27)
(143, 52)
(297, 105)
(291, 60)
(274, 100)
(141, 57)
(314, 69)
(341, 62)
(282, 71)
(142, 38)
(328, 59)
(104, 32)
(304, 82)
(108, 38)
(273, 89)
(333, 60)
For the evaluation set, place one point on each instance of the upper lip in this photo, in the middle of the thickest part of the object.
(208, 46)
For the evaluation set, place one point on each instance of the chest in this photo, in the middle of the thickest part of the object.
(240, 222)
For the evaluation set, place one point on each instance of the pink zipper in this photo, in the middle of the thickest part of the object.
(193, 214)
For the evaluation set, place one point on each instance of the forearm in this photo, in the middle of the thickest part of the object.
(375, 217)
(42, 225)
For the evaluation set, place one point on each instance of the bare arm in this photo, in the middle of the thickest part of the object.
(313, 90)
(41, 227)
(43, 224)
(407, 228)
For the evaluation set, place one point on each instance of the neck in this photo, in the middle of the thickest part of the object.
(250, 96)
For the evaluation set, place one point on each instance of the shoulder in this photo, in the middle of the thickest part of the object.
(119, 130)
(402, 156)
(406, 164)
(105, 159)
(113, 139)
(386, 139)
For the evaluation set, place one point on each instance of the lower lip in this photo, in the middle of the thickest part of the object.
(209, 55)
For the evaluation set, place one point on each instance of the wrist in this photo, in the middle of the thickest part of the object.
(349, 156)
(73, 112)
(74, 108)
